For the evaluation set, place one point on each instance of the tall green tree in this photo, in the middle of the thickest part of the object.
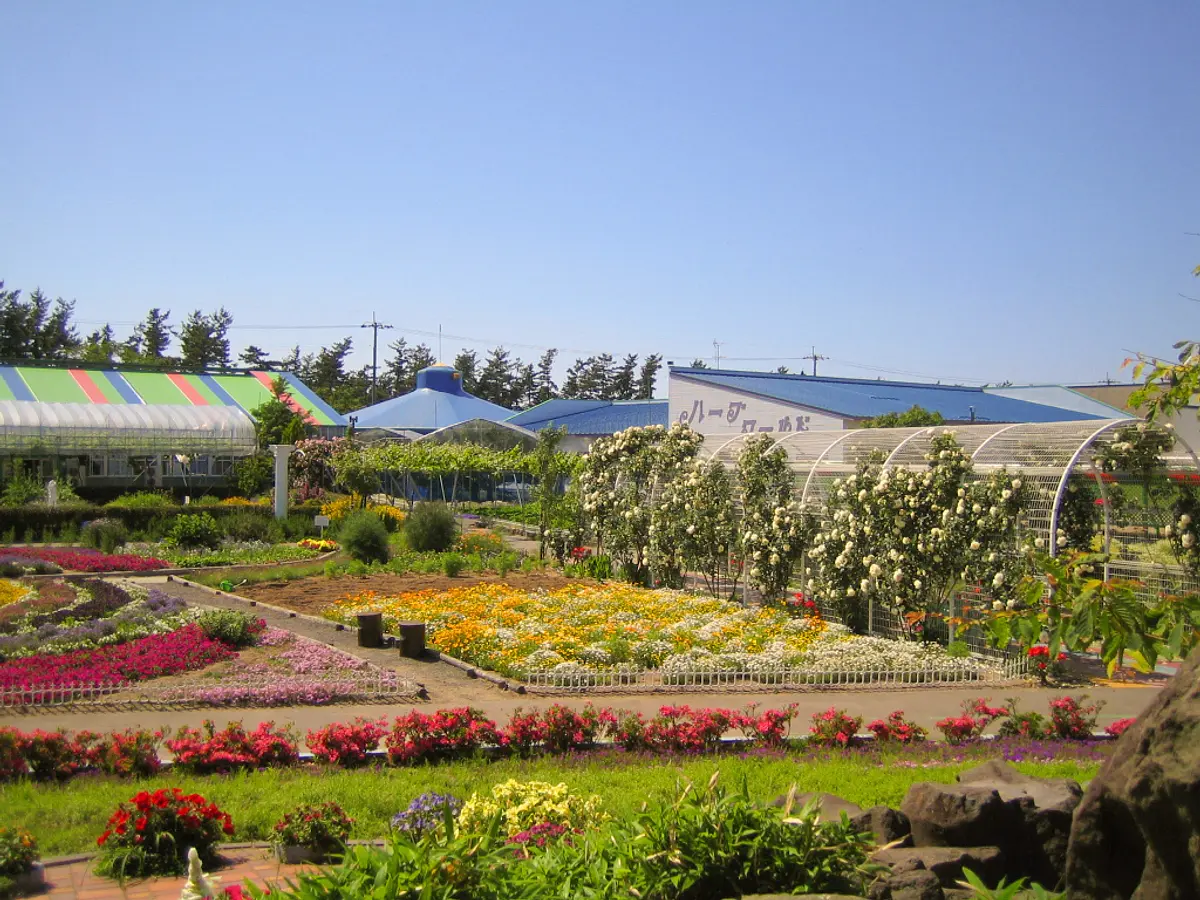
(254, 357)
(37, 328)
(101, 346)
(623, 385)
(467, 364)
(400, 369)
(915, 417)
(150, 340)
(326, 371)
(204, 339)
(544, 377)
(496, 382)
(648, 376)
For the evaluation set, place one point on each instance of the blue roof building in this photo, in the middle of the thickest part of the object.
(437, 401)
(586, 420)
(730, 402)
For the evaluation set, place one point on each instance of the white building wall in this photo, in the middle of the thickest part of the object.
(710, 409)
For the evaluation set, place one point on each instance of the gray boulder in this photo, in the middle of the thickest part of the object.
(885, 823)
(945, 863)
(1136, 833)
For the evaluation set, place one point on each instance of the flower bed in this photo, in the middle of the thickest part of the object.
(84, 560)
(230, 553)
(184, 650)
(100, 613)
(13, 592)
(299, 671)
(587, 635)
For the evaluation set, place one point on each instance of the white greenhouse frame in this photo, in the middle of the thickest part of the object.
(1044, 454)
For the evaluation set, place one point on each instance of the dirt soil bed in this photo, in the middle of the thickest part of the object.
(312, 595)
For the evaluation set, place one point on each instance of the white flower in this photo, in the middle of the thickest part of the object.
(1011, 604)
(917, 583)
(1016, 484)
(875, 570)
(997, 605)
(691, 529)
(977, 509)
(1185, 520)
(1005, 495)
(1062, 540)
(974, 545)
(998, 581)
(1040, 543)
(1188, 539)
(898, 576)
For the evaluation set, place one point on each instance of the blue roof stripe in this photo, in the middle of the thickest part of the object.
(223, 395)
(306, 392)
(16, 384)
(862, 399)
(123, 387)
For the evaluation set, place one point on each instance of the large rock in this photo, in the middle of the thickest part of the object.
(908, 884)
(1037, 847)
(886, 824)
(956, 815)
(1028, 818)
(1136, 834)
(946, 863)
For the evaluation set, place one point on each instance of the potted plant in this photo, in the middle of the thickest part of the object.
(20, 872)
(311, 833)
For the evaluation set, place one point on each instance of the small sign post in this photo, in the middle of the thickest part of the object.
(322, 522)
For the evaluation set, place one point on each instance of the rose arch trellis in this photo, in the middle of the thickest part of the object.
(1049, 456)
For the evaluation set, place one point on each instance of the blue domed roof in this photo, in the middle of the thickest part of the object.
(437, 401)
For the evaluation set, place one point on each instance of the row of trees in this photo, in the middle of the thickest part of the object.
(38, 328)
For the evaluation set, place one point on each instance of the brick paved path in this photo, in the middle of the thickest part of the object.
(76, 881)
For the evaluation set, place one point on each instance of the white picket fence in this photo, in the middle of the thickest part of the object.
(993, 670)
(366, 687)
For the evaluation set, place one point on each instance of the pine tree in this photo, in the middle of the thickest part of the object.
(254, 357)
(35, 328)
(622, 387)
(546, 389)
(203, 339)
(326, 372)
(496, 378)
(101, 346)
(649, 374)
(525, 386)
(467, 364)
(149, 342)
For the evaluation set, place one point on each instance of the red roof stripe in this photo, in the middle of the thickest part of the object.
(287, 398)
(193, 395)
(84, 380)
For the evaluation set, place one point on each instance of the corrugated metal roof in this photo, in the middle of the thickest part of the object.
(426, 409)
(592, 417)
(1061, 397)
(864, 399)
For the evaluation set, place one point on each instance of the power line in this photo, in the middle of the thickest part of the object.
(814, 356)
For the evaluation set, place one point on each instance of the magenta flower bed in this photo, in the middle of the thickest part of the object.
(184, 650)
(84, 560)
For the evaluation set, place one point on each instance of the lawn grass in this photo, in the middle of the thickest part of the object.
(67, 818)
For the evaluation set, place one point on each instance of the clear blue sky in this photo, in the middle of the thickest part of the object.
(968, 190)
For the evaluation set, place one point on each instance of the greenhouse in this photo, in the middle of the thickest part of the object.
(1112, 486)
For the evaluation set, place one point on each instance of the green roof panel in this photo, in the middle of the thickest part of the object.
(53, 385)
(155, 388)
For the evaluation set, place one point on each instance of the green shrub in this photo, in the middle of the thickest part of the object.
(143, 500)
(452, 564)
(958, 649)
(252, 475)
(431, 526)
(104, 534)
(364, 537)
(237, 629)
(22, 489)
(191, 532)
(247, 525)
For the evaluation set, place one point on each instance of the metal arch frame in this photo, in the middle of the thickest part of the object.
(812, 471)
(733, 440)
(900, 446)
(1109, 425)
(1107, 518)
(991, 437)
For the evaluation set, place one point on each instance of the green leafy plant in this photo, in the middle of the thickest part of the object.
(1071, 607)
(104, 534)
(323, 827)
(430, 526)
(193, 532)
(1006, 890)
(237, 629)
(452, 564)
(143, 500)
(364, 537)
(18, 850)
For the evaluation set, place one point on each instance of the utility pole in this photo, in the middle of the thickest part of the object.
(374, 326)
(814, 356)
(717, 353)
